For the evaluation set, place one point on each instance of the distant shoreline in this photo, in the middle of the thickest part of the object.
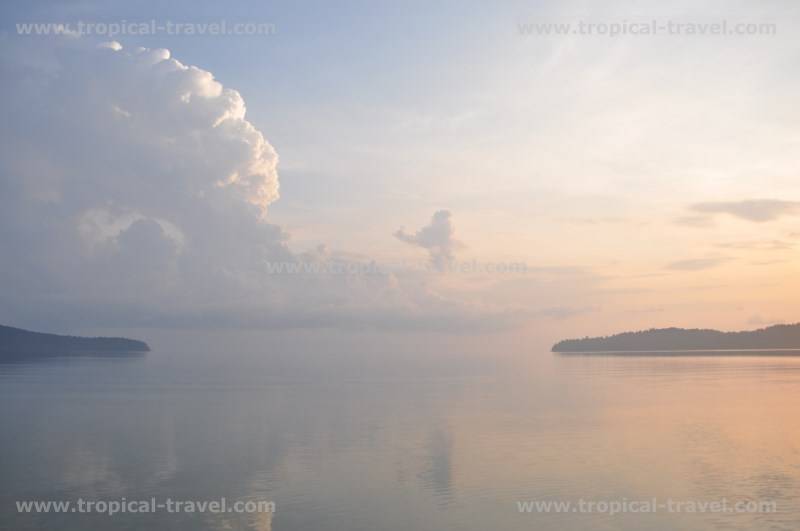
(20, 342)
(774, 339)
(775, 352)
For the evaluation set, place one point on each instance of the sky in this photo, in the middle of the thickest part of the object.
(428, 167)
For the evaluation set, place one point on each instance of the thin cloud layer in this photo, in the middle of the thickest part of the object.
(756, 210)
(697, 222)
(698, 264)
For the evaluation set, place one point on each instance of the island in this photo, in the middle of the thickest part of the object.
(16, 341)
(782, 337)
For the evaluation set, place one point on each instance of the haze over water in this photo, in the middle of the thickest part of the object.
(352, 232)
(347, 433)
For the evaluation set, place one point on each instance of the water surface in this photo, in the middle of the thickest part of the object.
(361, 438)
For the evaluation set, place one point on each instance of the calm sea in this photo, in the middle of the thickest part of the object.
(354, 435)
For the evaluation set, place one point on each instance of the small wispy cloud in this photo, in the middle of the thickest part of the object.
(768, 262)
(762, 245)
(565, 312)
(697, 264)
(698, 222)
(756, 210)
(609, 220)
(758, 320)
(437, 237)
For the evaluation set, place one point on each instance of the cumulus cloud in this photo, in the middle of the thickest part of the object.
(437, 237)
(126, 177)
(757, 210)
(134, 192)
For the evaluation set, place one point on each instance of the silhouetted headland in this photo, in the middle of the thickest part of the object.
(16, 341)
(778, 337)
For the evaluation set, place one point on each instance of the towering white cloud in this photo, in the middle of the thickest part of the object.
(134, 192)
(127, 177)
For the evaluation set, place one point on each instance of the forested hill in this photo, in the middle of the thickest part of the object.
(19, 341)
(676, 339)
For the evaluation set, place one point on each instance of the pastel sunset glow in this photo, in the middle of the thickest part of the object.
(378, 266)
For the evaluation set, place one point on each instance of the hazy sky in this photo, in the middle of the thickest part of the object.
(646, 180)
